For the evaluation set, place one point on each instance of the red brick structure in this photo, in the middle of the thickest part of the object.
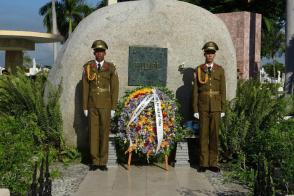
(245, 30)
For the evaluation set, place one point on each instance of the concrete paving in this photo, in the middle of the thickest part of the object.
(145, 181)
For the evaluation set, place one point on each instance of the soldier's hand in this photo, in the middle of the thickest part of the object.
(222, 114)
(196, 115)
(86, 112)
(112, 113)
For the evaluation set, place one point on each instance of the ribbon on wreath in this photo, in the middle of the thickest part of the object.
(158, 115)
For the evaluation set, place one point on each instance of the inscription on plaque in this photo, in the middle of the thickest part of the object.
(147, 66)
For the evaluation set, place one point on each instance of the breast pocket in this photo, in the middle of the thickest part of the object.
(105, 75)
(217, 77)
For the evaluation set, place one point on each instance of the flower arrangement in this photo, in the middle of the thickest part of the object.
(139, 128)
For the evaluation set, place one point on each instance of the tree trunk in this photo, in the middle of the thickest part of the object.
(274, 66)
(54, 30)
(70, 26)
(289, 69)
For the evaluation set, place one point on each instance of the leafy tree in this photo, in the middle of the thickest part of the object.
(273, 17)
(101, 4)
(271, 68)
(68, 12)
(273, 42)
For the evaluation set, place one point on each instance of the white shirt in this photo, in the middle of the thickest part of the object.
(209, 65)
(101, 64)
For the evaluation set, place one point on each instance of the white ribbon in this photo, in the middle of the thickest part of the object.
(158, 115)
(159, 119)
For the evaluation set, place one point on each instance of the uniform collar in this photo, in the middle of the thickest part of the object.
(209, 65)
(101, 63)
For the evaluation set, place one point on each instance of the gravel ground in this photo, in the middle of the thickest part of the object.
(223, 188)
(70, 178)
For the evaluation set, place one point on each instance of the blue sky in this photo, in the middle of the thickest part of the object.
(24, 15)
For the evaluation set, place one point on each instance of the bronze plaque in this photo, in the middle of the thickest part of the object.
(147, 66)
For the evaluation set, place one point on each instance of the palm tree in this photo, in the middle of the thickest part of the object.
(273, 39)
(101, 4)
(68, 12)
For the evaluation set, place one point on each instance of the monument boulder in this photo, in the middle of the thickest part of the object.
(179, 27)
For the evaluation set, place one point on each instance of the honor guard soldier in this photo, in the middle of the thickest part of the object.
(100, 96)
(209, 96)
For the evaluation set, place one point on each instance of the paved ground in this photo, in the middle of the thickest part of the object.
(145, 180)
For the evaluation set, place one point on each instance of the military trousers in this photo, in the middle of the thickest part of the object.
(209, 138)
(99, 125)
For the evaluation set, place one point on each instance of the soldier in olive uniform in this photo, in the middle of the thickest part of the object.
(100, 96)
(209, 96)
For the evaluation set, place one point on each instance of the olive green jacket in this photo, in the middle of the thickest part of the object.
(209, 95)
(100, 87)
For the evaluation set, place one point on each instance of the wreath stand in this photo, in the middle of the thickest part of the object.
(130, 160)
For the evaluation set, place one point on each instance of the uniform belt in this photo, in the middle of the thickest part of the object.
(210, 93)
(102, 90)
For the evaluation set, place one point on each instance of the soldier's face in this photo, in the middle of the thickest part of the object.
(99, 55)
(209, 56)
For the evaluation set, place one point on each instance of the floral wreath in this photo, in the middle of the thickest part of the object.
(147, 120)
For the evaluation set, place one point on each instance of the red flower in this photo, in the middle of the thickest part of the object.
(93, 65)
(164, 114)
(138, 128)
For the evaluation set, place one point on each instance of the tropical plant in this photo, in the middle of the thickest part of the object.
(68, 13)
(20, 146)
(256, 139)
(20, 96)
(28, 123)
(273, 42)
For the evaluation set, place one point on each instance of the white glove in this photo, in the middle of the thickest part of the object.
(112, 113)
(196, 115)
(222, 114)
(86, 113)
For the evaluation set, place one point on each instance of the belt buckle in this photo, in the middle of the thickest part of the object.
(99, 90)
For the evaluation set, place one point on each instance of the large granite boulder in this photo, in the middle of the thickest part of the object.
(181, 27)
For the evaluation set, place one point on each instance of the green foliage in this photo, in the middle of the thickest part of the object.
(20, 96)
(68, 13)
(271, 9)
(27, 125)
(272, 68)
(20, 140)
(234, 128)
(290, 109)
(273, 19)
(273, 41)
(254, 131)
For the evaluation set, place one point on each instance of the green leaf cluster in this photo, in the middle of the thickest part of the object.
(28, 123)
(254, 128)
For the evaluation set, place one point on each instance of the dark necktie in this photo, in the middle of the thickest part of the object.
(209, 70)
(99, 66)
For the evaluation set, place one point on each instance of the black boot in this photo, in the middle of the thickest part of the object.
(103, 168)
